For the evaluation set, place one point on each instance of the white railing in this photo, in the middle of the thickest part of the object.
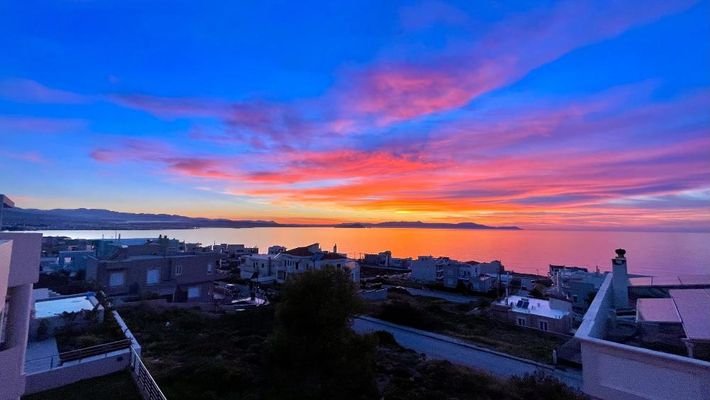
(144, 380)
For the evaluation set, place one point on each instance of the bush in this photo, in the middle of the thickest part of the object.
(314, 352)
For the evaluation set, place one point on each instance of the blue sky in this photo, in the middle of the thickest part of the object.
(541, 114)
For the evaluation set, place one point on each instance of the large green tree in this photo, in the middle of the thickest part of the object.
(314, 352)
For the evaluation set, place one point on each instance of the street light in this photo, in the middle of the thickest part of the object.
(5, 202)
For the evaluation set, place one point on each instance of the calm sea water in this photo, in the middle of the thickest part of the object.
(656, 253)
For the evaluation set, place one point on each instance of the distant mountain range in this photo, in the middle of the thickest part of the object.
(83, 218)
(419, 224)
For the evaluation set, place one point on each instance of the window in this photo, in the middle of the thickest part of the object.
(152, 276)
(193, 292)
(522, 322)
(210, 268)
(178, 270)
(543, 326)
(117, 278)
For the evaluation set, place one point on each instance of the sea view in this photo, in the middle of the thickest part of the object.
(355, 200)
(531, 251)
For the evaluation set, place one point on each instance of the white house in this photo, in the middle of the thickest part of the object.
(258, 267)
(301, 259)
(553, 315)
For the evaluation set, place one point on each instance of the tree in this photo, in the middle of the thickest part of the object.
(314, 352)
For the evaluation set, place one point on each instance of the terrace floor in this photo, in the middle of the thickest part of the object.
(118, 386)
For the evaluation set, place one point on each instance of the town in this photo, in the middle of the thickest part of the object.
(64, 299)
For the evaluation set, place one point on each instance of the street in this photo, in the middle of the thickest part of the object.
(443, 347)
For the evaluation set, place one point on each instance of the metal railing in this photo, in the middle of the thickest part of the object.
(43, 364)
(144, 380)
(94, 350)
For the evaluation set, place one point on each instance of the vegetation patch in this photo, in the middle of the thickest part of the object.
(437, 315)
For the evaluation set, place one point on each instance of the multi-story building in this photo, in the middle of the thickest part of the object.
(451, 273)
(175, 277)
(258, 268)
(301, 259)
(576, 284)
(19, 269)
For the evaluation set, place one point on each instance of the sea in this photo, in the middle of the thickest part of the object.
(528, 251)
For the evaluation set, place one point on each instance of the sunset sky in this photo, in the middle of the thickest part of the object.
(533, 113)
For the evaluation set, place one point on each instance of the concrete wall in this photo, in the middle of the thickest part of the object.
(26, 251)
(613, 371)
(75, 372)
(23, 272)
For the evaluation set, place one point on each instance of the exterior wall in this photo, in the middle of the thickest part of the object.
(195, 272)
(561, 326)
(21, 270)
(74, 372)
(252, 263)
(424, 269)
(24, 263)
(532, 321)
(612, 371)
(451, 275)
(286, 265)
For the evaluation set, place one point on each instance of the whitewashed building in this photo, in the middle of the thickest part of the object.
(307, 258)
(616, 365)
(282, 264)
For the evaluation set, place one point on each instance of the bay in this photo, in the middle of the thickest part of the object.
(531, 251)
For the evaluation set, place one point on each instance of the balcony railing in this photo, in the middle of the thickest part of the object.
(94, 350)
(144, 380)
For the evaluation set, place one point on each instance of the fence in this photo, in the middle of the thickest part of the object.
(94, 350)
(144, 380)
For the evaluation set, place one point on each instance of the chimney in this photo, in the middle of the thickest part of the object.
(620, 280)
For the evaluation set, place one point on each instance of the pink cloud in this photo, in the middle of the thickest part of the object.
(29, 91)
(22, 124)
(399, 92)
(34, 157)
(173, 107)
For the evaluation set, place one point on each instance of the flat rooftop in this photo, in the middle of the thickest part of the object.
(534, 306)
(694, 308)
(657, 310)
(48, 308)
(671, 281)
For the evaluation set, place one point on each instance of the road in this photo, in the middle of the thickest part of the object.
(443, 347)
